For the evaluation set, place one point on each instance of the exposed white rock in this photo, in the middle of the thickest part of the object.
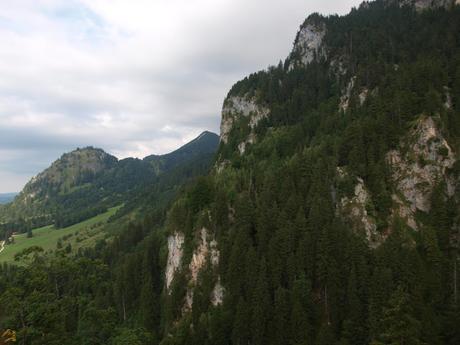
(354, 210)
(448, 102)
(309, 43)
(175, 253)
(345, 99)
(217, 295)
(206, 250)
(199, 258)
(420, 165)
(236, 106)
(363, 96)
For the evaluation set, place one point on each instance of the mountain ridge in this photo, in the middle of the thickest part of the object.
(88, 176)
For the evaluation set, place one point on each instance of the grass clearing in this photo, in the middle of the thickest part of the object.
(79, 235)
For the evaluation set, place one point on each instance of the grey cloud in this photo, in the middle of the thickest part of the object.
(133, 78)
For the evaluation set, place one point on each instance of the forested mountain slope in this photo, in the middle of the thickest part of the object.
(330, 216)
(87, 181)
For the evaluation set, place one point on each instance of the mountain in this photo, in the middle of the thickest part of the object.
(330, 215)
(332, 212)
(87, 181)
(6, 197)
(205, 143)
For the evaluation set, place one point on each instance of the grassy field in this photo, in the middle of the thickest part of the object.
(80, 235)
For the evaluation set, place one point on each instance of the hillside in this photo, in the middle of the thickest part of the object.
(330, 216)
(49, 239)
(87, 181)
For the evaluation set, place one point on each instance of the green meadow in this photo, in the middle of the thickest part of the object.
(79, 235)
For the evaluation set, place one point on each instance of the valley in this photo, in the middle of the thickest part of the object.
(78, 236)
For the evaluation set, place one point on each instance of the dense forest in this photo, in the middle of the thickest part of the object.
(292, 266)
(86, 182)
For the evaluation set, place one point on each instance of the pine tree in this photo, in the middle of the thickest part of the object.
(261, 307)
(301, 311)
(354, 326)
(400, 327)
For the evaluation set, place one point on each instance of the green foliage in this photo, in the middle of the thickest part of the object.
(86, 182)
(293, 272)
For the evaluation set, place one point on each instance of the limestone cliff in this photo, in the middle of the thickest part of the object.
(354, 210)
(308, 44)
(205, 253)
(422, 161)
(175, 253)
(235, 108)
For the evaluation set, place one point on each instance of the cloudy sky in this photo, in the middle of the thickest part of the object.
(133, 77)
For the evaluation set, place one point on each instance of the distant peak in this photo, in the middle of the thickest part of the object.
(206, 134)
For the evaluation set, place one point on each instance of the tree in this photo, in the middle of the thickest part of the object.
(400, 327)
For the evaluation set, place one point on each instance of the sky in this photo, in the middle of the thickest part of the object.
(133, 77)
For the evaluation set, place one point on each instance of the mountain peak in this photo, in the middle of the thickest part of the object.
(205, 135)
(308, 43)
(206, 143)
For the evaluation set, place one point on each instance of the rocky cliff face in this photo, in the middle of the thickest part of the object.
(205, 253)
(309, 43)
(422, 162)
(354, 210)
(175, 253)
(235, 108)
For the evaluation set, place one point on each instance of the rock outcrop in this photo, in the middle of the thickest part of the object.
(236, 107)
(418, 166)
(354, 209)
(217, 294)
(206, 250)
(175, 253)
(309, 43)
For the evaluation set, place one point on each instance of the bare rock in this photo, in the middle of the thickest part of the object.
(354, 210)
(346, 96)
(175, 253)
(420, 164)
(206, 250)
(236, 106)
